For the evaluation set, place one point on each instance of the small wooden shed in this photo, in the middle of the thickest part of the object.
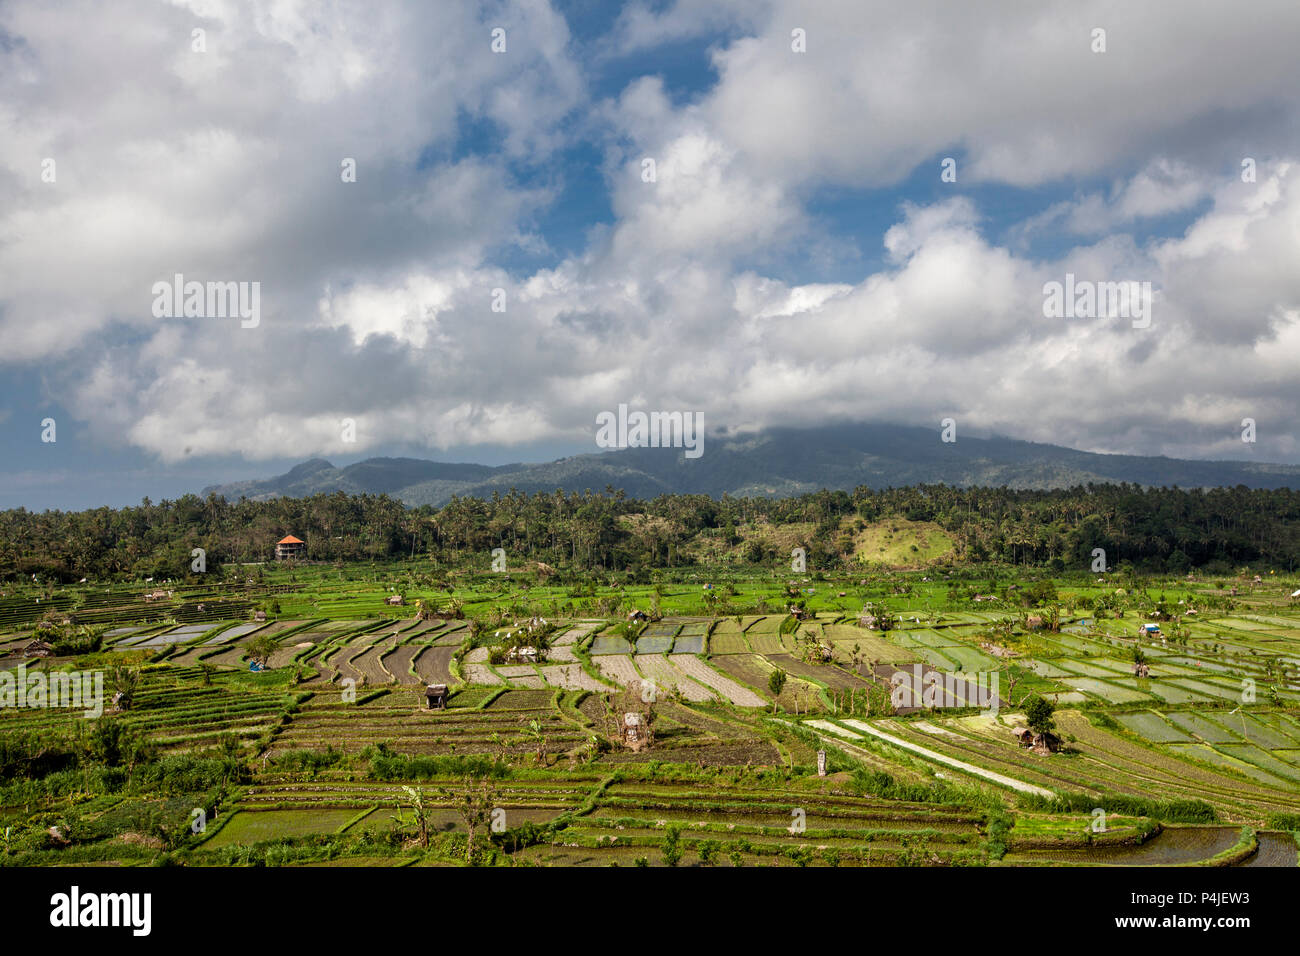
(435, 696)
(37, 648)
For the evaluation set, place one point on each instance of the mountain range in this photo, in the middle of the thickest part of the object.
(775, 462)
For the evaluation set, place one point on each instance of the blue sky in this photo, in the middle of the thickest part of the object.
(797, 258)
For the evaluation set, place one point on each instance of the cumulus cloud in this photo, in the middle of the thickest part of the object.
(380, 296)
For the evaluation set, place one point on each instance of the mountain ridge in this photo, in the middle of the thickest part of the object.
(777, 462)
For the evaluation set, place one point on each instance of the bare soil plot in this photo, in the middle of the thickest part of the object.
(433, 666)
(371, 667)
(476, 669)
(285, 655)
(732, 691)
(666, 677)
(342, 662)
(573, 635)
(571, 677)
(325, 663)
(451, 636)
(398, 663)
(480, 674)
(522, 676)
(828, 674)
(231, 657)
(617, 667)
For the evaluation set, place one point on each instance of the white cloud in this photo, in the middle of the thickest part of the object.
(378, 294)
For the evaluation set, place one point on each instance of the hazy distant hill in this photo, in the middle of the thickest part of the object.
(781, 461)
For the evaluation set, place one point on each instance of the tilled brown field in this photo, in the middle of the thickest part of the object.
(433, 665)
(344, 664)
(452, 636)
(285, 655)
(828, 674)
(370, 666)
(398, 663)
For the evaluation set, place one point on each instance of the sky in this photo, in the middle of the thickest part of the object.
(765, 212)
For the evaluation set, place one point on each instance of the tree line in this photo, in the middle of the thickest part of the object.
(1157, 529)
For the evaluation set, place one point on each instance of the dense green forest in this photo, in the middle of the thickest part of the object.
(1155, 529)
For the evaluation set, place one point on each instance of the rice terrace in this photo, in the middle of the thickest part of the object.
(820, 681)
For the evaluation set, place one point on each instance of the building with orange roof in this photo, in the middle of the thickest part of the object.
(290, 547)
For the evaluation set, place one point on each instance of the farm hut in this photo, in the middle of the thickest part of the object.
(158, 595)
(395, 600)
(1141, 669)
(798, 613)
(435, 696)
(1034, 622)
(1023, 736)
(1148, 630)
(290, 547)
(1296, 593)
(259, 616)
(37, 648)
(636, 617)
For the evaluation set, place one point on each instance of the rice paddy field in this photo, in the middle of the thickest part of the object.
(330, 752)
